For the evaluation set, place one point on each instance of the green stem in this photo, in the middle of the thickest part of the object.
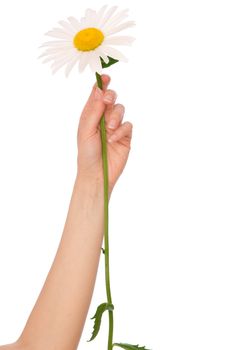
(106, 220)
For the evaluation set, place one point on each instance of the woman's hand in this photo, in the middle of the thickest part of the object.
(89, 136)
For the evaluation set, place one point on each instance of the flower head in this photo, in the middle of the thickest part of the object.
(88, 41)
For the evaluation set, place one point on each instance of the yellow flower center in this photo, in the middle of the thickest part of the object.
(88, 39)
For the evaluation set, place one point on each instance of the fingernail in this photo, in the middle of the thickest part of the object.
(112, 124)
(98, 93)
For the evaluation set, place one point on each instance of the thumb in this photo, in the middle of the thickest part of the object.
(94, 108)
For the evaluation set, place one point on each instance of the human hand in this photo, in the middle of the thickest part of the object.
(89, 135)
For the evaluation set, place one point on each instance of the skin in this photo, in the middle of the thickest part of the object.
(58, 316)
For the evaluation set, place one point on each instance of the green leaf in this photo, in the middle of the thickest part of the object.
(98, 315)
(130, 347)
(111, 61)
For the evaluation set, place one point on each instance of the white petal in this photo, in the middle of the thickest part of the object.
(107, 16)
(75, 23)
(61, 58)
(58, 64)
(60, 55)
(90, 17)
(52, 51)
(89, 13)
(71, 65)
(62, 30)
(119, 40)
(120, 27)
(112, 52)
(83, 23)
(43, 54)
(57, 43)
(95, 63)
(60, 49)
(58, 34)
(54, 70)
(50, 58)
(100, 13)
(105, 58)
(83, 61)
(67, 27)
(119, 17)
(101, 54)
(55, 67)
(98, 64)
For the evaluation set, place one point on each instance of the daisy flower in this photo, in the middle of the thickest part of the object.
(88, 41)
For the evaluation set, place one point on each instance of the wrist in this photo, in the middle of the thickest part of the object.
(89, 186)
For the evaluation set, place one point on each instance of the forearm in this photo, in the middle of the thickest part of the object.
(58, 317)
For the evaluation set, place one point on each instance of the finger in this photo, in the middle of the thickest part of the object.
(105, 81)
(109, 97)
(96, 93)
(94, 107)
(125, 130)
(114, 116)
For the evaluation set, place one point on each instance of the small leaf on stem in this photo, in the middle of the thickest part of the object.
(98, 315)
(130, 347)
(111, 61)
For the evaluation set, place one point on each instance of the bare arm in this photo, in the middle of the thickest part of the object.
(59, 314)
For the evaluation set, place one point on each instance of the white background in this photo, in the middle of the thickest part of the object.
(170, 212)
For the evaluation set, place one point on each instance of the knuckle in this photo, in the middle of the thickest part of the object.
(110, 93)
